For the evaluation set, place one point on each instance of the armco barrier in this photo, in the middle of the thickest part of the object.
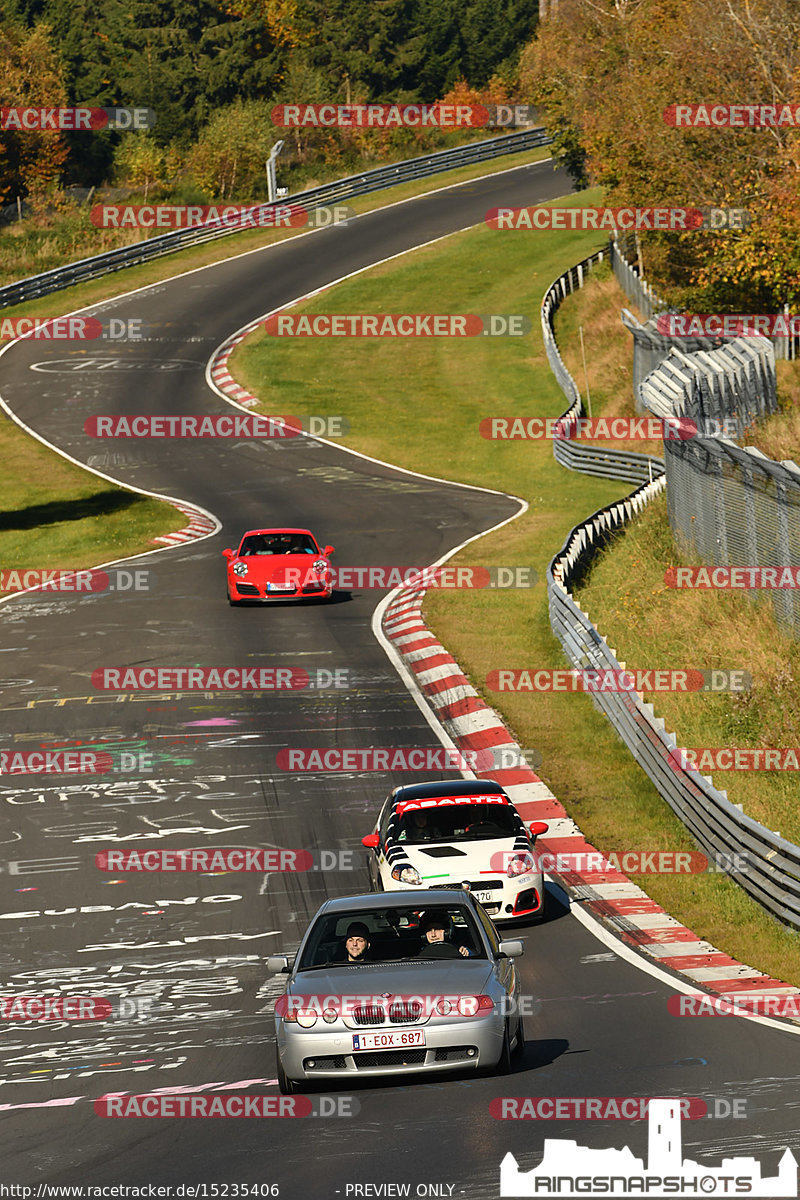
(772, 876)
(591, 460)
(327, 193)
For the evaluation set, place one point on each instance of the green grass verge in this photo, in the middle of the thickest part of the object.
(418, 403)
(55, 514)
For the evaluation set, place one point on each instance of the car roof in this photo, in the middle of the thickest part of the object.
(282, 529)
(447, 787)
(416, 898)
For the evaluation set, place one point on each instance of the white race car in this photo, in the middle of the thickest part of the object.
(456, 831)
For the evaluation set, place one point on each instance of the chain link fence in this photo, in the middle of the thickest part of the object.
(728, 505)
(760, 510)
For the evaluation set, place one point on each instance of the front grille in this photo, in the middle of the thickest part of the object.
(313, 587)
(400, 1013)
(246, 589)
(369, 1014)
(475, 886)
(457, 1054)
(330, 1062)
(390, 1058)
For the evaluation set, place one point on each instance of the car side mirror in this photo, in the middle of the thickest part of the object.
(279, 964)
(512, 949)
(536, 828)
(328, 551)
(371, 841)
(227, 553)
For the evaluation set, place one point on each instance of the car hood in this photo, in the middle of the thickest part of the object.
(427, 977)
(274, 567)
(440, 862)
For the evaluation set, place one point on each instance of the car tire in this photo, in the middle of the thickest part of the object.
(287, 1086)
(519, 1046)
(504, 1062)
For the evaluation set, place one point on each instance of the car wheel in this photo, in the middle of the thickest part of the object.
(519, 1046)
(287, 1086)
(504, 1063)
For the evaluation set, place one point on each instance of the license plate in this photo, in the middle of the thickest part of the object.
(392, 1040)
(280, 587)
(483, 897)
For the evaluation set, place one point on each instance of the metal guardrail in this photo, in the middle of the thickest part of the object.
(771, 865)
(326, 193)
(590, 460)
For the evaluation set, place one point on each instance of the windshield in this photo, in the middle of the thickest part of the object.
(461, 822)
(277, 543)
(393, 935)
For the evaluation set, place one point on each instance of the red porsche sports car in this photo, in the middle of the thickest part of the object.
(278, 564)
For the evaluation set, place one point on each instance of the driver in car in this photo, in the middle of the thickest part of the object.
(434, 930)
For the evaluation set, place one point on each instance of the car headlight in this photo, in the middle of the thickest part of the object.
(520, 864)
(330, 1015)
(306, 1017)
(240, 568)
(320, 565)
(407, 875)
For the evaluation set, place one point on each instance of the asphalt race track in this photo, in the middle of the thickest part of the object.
(194, 946)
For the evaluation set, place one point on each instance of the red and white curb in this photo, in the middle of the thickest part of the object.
(609, 895)
(220, 374)
(201, 524)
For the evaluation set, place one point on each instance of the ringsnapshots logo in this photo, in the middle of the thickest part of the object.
(670, 220)
(227, 216)
(72, 329)
(732, 116)
(621, 680)
(568, 1169)
(86, 120)
(394, 325)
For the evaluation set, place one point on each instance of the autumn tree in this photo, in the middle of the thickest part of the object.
(605, 71)
(30, 77)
